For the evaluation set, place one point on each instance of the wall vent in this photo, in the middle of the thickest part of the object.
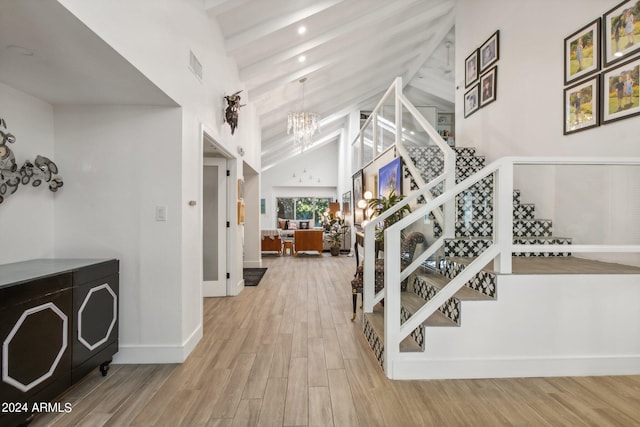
(195, 66)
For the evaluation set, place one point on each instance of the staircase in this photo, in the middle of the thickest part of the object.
(473, 234)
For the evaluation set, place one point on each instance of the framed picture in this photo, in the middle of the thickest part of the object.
(488, 86)
(581, 106)
(390, 178)
(358, 214)
(621, 38)
(346, 204)
(582, 52)
(471, 69)
(620, 91)
(489, 52)
(471, 103)
(263, 206)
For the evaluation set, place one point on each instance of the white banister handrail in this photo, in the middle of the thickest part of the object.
(500, 251)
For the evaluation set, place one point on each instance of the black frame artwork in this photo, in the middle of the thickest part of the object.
(576, 118)
(471, 69)
(578, 44)
(489, 52)
(358, 192)
(629, 74)
(616, 43)
(488, 87)
(471, 101)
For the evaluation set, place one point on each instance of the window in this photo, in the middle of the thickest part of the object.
(303, 208)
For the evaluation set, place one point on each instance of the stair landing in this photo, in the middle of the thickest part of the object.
(568, 265)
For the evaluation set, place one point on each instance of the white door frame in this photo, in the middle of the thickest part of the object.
(218, 288)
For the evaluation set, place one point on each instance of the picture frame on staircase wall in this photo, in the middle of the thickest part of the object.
(582, 52)
(358, 185)
(619, 91)
(581, 106)
(488, 87)
(471, 101)
(471, 69)
(489, 52)
(621, 32)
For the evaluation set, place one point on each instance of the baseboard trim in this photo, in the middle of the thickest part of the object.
(430, 369)
(253, 264)
(156, 354)
(235, 290)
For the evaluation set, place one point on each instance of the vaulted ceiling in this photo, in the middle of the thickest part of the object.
(352, 49)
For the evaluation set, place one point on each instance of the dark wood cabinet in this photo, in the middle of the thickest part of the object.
(58, 322)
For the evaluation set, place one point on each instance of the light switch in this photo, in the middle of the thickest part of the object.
(161, 213)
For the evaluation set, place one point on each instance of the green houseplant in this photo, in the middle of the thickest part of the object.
(335, 225)
(379, 205)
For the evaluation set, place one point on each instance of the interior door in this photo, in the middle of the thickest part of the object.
(214, 228)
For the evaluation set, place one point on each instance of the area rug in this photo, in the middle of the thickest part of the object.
(252, 276)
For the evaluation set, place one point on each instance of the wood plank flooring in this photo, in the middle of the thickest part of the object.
(285, 353)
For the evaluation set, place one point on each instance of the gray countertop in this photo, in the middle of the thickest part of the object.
(24, 271)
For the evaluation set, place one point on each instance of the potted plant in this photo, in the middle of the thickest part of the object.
(336, 226)
(379, 205)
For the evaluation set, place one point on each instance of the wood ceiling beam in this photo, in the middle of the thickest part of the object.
(341, 106)
(349, 56)
(362, 78)
(369, 18)
(289, 154)
(217, 7)
(442, 28)
(256, 32)
(285, 140)
(433, 84)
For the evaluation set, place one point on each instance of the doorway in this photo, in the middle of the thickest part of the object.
(214, 229)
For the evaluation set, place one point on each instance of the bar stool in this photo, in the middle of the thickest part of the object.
(287, 244)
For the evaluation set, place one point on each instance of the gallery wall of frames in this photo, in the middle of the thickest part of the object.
(481, 75)
(602, 69)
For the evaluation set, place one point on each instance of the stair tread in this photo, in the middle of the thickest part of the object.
(514, 220)
(376, 318)
(515, 237)
(464, 294)
(413, 302)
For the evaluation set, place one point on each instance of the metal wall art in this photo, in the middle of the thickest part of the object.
(231, 112)
(41, 170)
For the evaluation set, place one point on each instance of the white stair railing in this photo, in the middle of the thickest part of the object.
(445, 216)
(500, 251)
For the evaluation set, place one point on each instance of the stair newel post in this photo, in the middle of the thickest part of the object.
(391, 299)
(449, 208)
(370, 255)
(503, 217)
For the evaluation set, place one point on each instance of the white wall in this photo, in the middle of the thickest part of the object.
(527, 117)
(321, 163)
(157, 40)
(118, 162)
(540, 325)
(27, 215)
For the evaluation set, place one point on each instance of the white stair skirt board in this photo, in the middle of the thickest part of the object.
(540, 325)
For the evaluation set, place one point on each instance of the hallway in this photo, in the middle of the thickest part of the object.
(285, 353)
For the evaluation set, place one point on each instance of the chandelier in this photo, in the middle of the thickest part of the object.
(303, 124)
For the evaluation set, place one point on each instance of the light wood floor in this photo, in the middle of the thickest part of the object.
(285, 353)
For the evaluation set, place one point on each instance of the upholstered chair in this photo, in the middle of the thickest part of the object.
(407, 250)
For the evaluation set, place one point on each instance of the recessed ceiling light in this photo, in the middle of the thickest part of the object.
(302, 58)
(302, 29)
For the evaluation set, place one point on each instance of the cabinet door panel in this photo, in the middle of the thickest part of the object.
(36, 349)
(95, 324)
